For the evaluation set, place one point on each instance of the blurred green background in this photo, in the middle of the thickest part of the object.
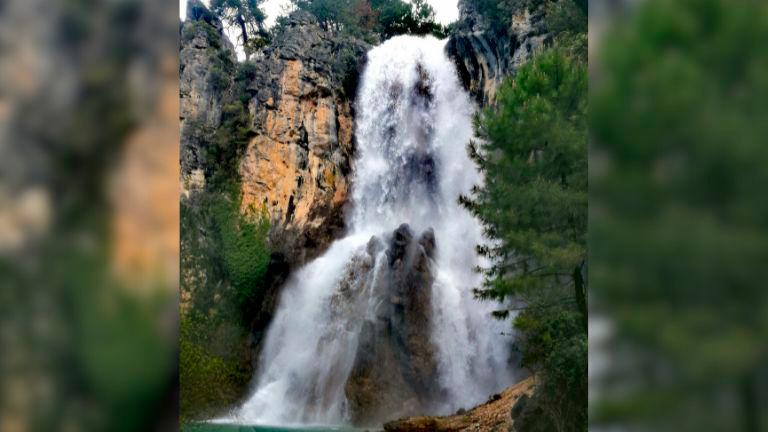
(678, 215)
(88, 215)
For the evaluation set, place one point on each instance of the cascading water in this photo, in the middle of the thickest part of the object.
(412, 126)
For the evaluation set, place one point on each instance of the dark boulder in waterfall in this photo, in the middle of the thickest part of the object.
(427, 241)
(395, 369)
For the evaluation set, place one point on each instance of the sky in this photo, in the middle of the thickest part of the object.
(446, 11)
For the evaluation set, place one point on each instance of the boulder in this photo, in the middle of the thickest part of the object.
(395, 368)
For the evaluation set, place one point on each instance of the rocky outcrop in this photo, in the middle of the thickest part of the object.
(297, 166)
(203, 46)
(484, 55)
(493, 415)
(386, 293)
(282, 123)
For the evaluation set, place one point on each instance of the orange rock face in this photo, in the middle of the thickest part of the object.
(296, 167)
(145, 227)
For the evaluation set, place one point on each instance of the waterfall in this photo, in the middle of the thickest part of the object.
(413, 123)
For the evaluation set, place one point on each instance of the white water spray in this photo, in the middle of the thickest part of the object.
(412, 127)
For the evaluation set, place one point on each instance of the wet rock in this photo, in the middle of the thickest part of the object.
(401, 238)
(395, 366)
(427, 241)
(374, 246)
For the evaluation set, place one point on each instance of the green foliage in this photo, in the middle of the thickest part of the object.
(553, 344)
(246, 16)
(228, 144)
(206, 380)
(225, 257)
(566, 21)
(565, 16)
(533, 152)
(233, 249)
(678, 234)
(99, 345)
(365, 18)
(561, 16)
(190, 28)
(398, 17)
(243, 245)
(498, 13)
(217, 79)
(328, 12)
(229, 141)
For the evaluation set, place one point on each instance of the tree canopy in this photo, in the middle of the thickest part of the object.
(532, 150)
(246, 16)
(678, 231)
(385, 18)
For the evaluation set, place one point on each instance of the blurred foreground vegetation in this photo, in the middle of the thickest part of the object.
(88, 313)
(678, 217)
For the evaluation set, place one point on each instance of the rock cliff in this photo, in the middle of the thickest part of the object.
(203, 46)
(485, 55)
(297, 165)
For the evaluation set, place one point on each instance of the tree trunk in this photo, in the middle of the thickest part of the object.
(244, 32)
(581, 294)
(749, 403)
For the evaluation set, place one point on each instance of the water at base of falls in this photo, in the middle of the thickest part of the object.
(384, 323)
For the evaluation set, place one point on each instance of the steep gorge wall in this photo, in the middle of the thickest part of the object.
(484, 56)
(202, 48)
(297, 165)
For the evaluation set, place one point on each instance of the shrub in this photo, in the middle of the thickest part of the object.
(245, 252)
(217, 79)
(207, 382)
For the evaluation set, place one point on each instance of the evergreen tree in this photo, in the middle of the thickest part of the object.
(364, 18)
(678, 232)
(246, 16)
(533, 152)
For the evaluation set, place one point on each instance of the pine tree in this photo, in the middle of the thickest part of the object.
(246, 16)
(533, 152)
